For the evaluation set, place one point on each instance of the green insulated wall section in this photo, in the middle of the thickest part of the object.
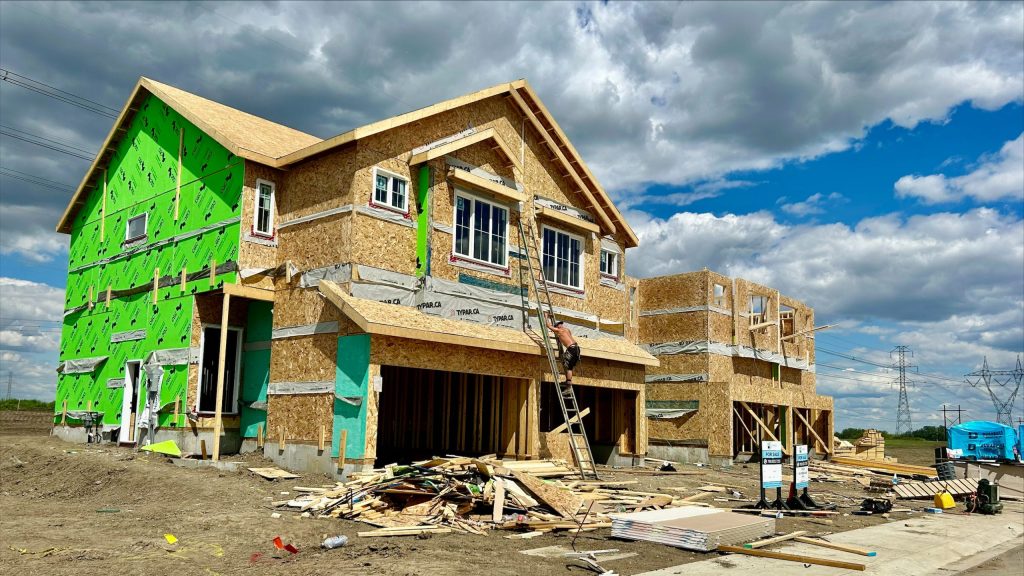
(350, 394)
(256, 367)
(141, 179)
(423, 221)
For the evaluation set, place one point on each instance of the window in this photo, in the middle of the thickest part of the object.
(136, 228)
(562, 259)
(389, 191)
(787, 318)
(481, 230)
(719, 296)
(609, 264)
(758, 309)
(264, 208)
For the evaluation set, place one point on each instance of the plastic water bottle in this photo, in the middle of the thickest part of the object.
(335, 542)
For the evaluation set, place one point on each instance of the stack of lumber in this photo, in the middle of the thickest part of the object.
(887, 467)
(927, 490)
(700, 529)
(477, 494)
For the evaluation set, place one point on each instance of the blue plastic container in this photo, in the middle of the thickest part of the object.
(981, 440)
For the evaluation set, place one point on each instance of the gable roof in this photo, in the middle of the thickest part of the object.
(277, 146)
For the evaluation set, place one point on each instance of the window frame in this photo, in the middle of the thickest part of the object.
(583, 252)
(128, 227)
(472, 220)
(613, 257)
(391, 176)
(270, 232)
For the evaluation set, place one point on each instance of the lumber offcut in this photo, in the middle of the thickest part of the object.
(793, 558)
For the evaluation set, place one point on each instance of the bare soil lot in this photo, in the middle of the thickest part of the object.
(108, 508)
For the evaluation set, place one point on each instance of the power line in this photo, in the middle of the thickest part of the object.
(55, 145)
(37, 180)
(57, 94)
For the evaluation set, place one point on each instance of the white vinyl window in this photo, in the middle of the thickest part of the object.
(563, 258)
(609, 264)
(264, 224)
(481, 230)
(136, 227)
(390, 191)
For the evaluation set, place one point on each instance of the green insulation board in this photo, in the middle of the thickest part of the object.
(351, 383)
(423, 221)
(256, 366)
(142, 178)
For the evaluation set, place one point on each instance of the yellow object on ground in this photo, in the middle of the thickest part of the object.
(170, 538)
(167, 447)
(944, 500)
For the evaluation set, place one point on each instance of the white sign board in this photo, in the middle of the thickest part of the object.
(771, 464)
(800, 474)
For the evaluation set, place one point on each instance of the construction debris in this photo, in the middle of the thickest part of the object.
(474, 495)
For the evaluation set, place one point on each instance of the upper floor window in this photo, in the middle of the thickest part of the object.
(136, 228)
(758, 308)
(719, 295)
(609, 264)
(264, 208)
(787, 320)
(390, 191)
(563, 262)
(481, 230)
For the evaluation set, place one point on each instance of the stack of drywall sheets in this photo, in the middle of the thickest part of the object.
(701, 529)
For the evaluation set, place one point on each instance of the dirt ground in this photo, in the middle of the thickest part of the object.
(108, 507)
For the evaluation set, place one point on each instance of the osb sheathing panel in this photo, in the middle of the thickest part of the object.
(304, 358)
(316, 185)
(681, 364)
(686, 326)
(301, 416)
(372, 410)
(611, 304)
(392, 351)
(632, 316)
(717, 418)
(765, 338)
(317, 243)
(252, 254)
(750, 371)
(678, 291)
(302, 306)
(207, 311)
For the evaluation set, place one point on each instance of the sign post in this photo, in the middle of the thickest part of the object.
(771, 474)
(799, 499)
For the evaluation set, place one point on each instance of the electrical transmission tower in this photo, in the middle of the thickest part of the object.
(903, 425)
(1001, 379)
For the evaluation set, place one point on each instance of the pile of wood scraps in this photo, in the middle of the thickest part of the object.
(475, 495)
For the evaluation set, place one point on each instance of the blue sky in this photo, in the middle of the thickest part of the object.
(864, 158)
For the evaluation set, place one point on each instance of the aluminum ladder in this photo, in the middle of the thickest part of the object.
(579, 444)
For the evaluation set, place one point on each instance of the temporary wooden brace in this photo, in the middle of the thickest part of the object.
(88, 406)
(183, 280)
(89, 302)
(793, 558)
(177, 401)
(259, 436)
(341, 450)
(280, 438)
(64, 414)
(775, 540)
(202, 448)
(177, 188)
(108, 295)
(156, 284)
(323, 433)
(213, 271)
(834, 546)
(760, 423)
(103, 208)
(810, 428)
(221, 359)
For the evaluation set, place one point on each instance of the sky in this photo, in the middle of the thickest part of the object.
(865, 158)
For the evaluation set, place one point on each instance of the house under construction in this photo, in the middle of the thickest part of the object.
(376, 296)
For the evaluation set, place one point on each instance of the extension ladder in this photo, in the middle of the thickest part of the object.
(578, 442)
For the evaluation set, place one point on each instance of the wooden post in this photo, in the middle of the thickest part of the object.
(341, 450)
(202, 448)
(177, 188)
(176, 401)
(64, 414)
(183, 280)
(280, 438)
(213, 271)
(103, 208)
(259, 436)
(221, 359)
(156, 284)
(108, 295)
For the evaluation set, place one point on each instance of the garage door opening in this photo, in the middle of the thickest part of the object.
(426, 413)
(610, 423)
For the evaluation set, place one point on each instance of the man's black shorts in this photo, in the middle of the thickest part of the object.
(571, 356)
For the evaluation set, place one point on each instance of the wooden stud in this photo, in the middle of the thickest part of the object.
(221, 359)
(323, 433)
(834, 546)
(499, 501)
(184, 280)
(177, 401)
(793, 558)
(156, 284)
(177, 188)
(108, 295)
(64, 414)
(815, 434)
(213, 271)
(775, 540)
(88, 406)
(341, 449)
(259, 435)
(202, 448)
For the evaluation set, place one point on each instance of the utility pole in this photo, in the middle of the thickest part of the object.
(10, 377)
(950, 421)
(1002, 379)
(903, 425)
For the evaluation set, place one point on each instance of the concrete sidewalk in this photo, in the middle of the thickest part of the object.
(918, 546)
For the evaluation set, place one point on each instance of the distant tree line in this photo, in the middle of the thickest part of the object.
(26, 405)
(924, 433)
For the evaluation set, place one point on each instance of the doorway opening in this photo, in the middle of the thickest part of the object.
(129, 401)
(206, 401)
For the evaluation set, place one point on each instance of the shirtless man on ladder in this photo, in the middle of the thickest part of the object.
(571, 355)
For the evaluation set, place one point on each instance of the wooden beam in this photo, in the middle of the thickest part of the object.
(750, 433)
(834, 546)
(221, 359)
(763, 325)
(476, 137)
(793, 558)
(605, 220)
(828, 448)
(565, 425)
(250, 292)
(759, 422)
(470, 180)
(775, 540)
